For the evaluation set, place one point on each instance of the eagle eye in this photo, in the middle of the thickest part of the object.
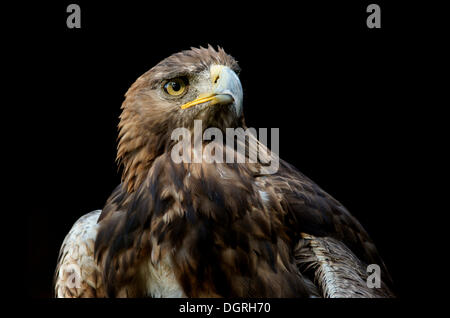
(176, 86)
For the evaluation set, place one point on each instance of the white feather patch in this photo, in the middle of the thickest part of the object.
(161, 280)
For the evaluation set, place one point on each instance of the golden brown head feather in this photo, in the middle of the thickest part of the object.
(148, 117)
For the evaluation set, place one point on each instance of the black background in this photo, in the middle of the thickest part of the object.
(334, 88)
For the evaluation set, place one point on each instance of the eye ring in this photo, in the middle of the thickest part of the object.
(176, 86)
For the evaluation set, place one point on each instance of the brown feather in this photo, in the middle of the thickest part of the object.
(221, 230)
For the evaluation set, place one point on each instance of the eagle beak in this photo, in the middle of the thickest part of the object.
(226, 89)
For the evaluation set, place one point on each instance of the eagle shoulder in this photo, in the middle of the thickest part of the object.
(77, 274)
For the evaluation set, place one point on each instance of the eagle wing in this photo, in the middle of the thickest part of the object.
(77, 274)
(333, 248)
(338, 273)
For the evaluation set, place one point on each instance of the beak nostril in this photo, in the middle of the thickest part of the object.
(216, 79)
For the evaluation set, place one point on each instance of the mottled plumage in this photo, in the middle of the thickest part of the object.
(77, 274)
(213, 229)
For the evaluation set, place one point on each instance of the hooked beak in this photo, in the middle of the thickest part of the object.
(226, 89)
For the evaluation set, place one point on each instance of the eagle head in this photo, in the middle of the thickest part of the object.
(197, 84)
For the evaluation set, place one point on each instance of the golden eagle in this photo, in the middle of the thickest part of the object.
(209, 229)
